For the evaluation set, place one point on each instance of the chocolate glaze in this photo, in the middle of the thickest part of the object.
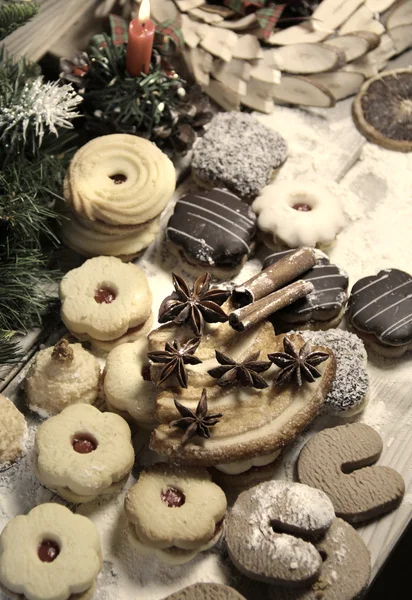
(214, 228)
(327, 299)
(382, 305)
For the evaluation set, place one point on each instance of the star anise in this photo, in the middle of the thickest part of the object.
(195, 423)
(246, 372)
(194, 306)
(300, 364)
(175, 357)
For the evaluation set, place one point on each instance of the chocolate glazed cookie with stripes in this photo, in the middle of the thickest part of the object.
(213, 230)
(380, 309)
(321, 309)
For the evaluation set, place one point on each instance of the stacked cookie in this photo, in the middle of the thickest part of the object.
(115, 189)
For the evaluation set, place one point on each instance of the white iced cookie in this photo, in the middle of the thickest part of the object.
(298, 213)
(120, 180)
(60, 376)
(104, 298)
(174, 513)
(125, 389)
(12, 432)
(50, 554)
(83, 453)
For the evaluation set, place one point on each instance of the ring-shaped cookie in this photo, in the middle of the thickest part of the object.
(298, 213)
(104, 298)
(119, 179)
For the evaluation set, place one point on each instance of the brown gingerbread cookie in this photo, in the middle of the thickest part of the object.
(206, 591)
(338, 461)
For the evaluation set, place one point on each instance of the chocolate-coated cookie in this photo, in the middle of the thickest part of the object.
(380, 306)
(212, 229)
(206, 591)
(321, 309)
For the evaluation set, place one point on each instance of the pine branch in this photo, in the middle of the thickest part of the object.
(10, 351)
(13, 14)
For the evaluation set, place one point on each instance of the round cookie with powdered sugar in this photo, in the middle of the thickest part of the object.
(380, 309)
(223, 157)
(206, 591)
(349, 393)
(322, 308)
(212, 230)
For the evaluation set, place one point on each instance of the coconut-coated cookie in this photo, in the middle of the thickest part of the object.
(50, 554)
(174, 513)
(104, 298)
(60, 376)
(206, 591)
(269, 528)
(223, 158)
(338, 461)
(83, 453)
(13, 431)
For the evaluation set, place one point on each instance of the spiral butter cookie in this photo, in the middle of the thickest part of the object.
(83, 453)
(174, 513)
(126, 390)
(345, 570)
(322, 308)
(60, 376)
(380, 309)
(271, 529)
(106, 299)
(349, 393)
(50, 554)
(212, 229)
(298, 213)
(206, 591)
(223, 157)
(118, 182)
(13, 431)
(337, 461)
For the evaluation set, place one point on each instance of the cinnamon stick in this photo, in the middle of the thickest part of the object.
(254, 313)
(275, 276)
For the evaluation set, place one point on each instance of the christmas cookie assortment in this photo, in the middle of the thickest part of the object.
(50, 554)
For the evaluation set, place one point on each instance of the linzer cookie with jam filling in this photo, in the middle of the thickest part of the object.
(380, 309)
(83, 453)
(213, 230)
(174, 513)
(60, 551)
(106, 302)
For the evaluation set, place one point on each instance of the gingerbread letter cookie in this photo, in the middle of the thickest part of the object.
(206, 591)
(380, 309)
(83, 453)
(337, 461)
(13, 430)
(50, 554)
(174, 513)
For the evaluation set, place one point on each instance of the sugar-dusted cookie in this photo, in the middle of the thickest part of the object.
(13, 430)
(349, 393)
(213, 230)
(223, 157)
(345, 568)
(174, 513)
(298, 213)
(126, 390)
(324, 306)
(83, 453)
(60, 376)
(50, 554)
(104, 298)
(269, 528)
(206, 591)
(380, 309)
(118, 182)
(337, 461)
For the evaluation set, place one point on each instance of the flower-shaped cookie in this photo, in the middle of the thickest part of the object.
(104, 298)
(83, 453)
(174, 513)
(12, 432)
(50, 554)
(61, 376)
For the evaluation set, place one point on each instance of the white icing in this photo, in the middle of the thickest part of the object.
(242, 466)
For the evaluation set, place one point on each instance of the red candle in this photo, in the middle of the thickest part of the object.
(140, 42)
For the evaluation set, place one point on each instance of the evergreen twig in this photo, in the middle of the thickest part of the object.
(14, 13)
